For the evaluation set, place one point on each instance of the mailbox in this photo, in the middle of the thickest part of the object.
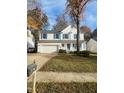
(31, 68)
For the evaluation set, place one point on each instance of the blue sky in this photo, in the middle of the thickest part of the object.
(52, 8)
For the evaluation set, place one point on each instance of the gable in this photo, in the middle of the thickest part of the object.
(69, 29)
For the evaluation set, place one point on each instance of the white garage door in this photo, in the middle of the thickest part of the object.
(49, 49)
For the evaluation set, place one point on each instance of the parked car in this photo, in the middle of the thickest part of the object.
(31, 50)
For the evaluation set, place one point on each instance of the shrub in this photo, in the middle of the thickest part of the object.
(62, 51)
(84, 53)
(81, 53)
(72, 52)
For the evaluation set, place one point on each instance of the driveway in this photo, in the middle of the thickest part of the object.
(40, 59)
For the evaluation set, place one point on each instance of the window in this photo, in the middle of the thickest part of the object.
(75, 36)
(74, 46)
(68, 46)
(56, 36)
(80, 45)
(65, 36)
(44, 36)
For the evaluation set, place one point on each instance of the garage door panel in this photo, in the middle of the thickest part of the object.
(49, 49)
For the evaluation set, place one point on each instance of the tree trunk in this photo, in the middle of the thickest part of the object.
(78, 35)
(86, 46)
(36, 42)
(36, 38)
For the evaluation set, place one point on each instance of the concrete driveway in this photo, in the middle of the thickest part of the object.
(40, 59)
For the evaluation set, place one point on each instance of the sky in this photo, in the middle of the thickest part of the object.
(52, 8)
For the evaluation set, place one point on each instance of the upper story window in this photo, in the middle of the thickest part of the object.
(56, 36)
(44, 36)
(75, 36)
(65, 36)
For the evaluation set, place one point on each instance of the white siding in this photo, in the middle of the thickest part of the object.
(71, 31)
(81, 36)
(92, 45)
(50, 36)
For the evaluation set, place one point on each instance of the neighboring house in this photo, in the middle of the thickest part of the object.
(30, 40)
(92, 45)
(94, 34)
(51, 42)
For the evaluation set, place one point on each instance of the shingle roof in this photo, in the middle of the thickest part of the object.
(50, 32)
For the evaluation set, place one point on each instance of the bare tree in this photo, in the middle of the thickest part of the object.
(75, 8)
(61, 23)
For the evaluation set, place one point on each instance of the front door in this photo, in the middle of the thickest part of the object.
(68, 46)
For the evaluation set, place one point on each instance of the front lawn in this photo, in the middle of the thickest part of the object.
(73, 87)
(71, 63)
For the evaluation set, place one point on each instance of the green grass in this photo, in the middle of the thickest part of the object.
(73, 87)
(71, 63)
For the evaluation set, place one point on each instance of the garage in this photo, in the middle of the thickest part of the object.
(48, 49)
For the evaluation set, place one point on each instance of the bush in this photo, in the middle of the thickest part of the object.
(72, 52)
(81, 53)
(62, 51)
(85, 53)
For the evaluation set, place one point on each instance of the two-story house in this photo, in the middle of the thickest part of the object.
(51, 42)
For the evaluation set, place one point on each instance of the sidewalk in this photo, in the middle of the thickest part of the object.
(65, 77)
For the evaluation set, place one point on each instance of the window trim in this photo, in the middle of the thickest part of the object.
(55, 36)
(43, 36)
(75, 36)
(64, 36)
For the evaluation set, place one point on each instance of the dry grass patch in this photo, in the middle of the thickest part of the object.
(73, 87)
(71, 63)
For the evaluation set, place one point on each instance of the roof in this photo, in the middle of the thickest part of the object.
(60, 41)
(68, 27)
(50, 32)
